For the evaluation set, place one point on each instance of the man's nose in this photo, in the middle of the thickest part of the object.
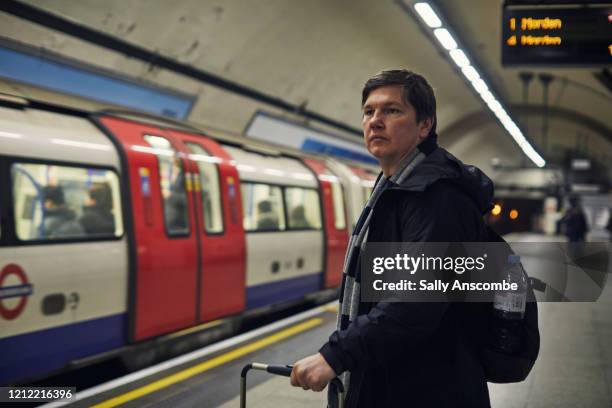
(376, 120)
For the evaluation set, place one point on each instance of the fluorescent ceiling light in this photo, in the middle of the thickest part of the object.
(480, 86)
(487, 96)
(459, 57)
(495, 106)
(445, 38)
(470, 73)
(500, 112)
(508, 124)
(428, 15)
(518, 136)
(534, 156)
(503, 117)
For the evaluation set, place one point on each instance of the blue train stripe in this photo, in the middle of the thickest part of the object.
(28, 355)
(315, 146)
(282, 291)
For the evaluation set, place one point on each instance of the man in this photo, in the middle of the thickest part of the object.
(59, 221)
(266, 218)
(98, 218)
(574, 221)
(408, 354)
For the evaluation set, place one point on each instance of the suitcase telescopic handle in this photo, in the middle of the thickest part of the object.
(284, 370)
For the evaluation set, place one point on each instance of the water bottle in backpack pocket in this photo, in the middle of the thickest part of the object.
(505, 334)
(513, 337)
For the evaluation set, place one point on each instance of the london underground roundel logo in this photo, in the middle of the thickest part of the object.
(21, 291)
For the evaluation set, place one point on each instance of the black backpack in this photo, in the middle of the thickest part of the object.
(504, 368)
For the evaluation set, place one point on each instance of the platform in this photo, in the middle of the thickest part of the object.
(574, 368)
(210, 377)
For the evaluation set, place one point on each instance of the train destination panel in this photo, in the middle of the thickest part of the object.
(557, 36)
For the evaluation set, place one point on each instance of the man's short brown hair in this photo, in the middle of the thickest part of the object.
(415, 89)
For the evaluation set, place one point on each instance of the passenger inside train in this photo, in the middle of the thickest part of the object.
(266, 218)
(97, 217)
(58, 221)
(64, 202)
(298, 218)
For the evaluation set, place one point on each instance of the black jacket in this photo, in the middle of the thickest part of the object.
(97, 220)
(420, 354)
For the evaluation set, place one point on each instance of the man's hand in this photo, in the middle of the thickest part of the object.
(312, 373)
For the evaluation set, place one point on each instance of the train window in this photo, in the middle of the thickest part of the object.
(338, 202)
(303, 208)
(263, 207)
(172, 185)
(211, 192)
(64, 202)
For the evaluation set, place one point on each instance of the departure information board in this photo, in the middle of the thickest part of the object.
(559, 36)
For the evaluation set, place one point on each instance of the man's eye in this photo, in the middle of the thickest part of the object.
(392, 110)
(367, 112)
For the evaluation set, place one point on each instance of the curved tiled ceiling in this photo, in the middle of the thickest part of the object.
(314, 54)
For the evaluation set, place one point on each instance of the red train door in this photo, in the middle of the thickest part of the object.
(334, 214)
(163, 279)
(222, 240)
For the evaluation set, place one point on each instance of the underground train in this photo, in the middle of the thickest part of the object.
(119, 229)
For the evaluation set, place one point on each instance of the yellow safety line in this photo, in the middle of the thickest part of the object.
(207, 365)
(331, 308)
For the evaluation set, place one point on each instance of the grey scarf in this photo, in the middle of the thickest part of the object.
(350, 292)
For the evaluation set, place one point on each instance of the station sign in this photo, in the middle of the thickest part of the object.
(557, 36)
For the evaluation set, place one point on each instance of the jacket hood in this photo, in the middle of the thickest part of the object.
(441, 165)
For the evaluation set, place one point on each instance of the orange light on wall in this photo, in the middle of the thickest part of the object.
(496, 209)
(513, 214)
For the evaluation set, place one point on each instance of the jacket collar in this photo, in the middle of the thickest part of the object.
(442, 165)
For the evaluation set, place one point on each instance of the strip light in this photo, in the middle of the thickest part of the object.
(480, 86)
(445, 38)
(470, 73)
(428, 15)
(459, 57)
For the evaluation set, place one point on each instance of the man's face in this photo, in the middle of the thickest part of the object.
(390, 128)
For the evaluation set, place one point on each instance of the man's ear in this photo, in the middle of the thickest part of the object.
(425, 127)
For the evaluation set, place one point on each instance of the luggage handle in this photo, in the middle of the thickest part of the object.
(284, 370)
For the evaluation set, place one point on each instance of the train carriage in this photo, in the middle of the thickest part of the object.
(64, 288)
(117, 230)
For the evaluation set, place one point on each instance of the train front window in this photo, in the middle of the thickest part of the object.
(209, 186)
(64, 202)
(172, 186)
